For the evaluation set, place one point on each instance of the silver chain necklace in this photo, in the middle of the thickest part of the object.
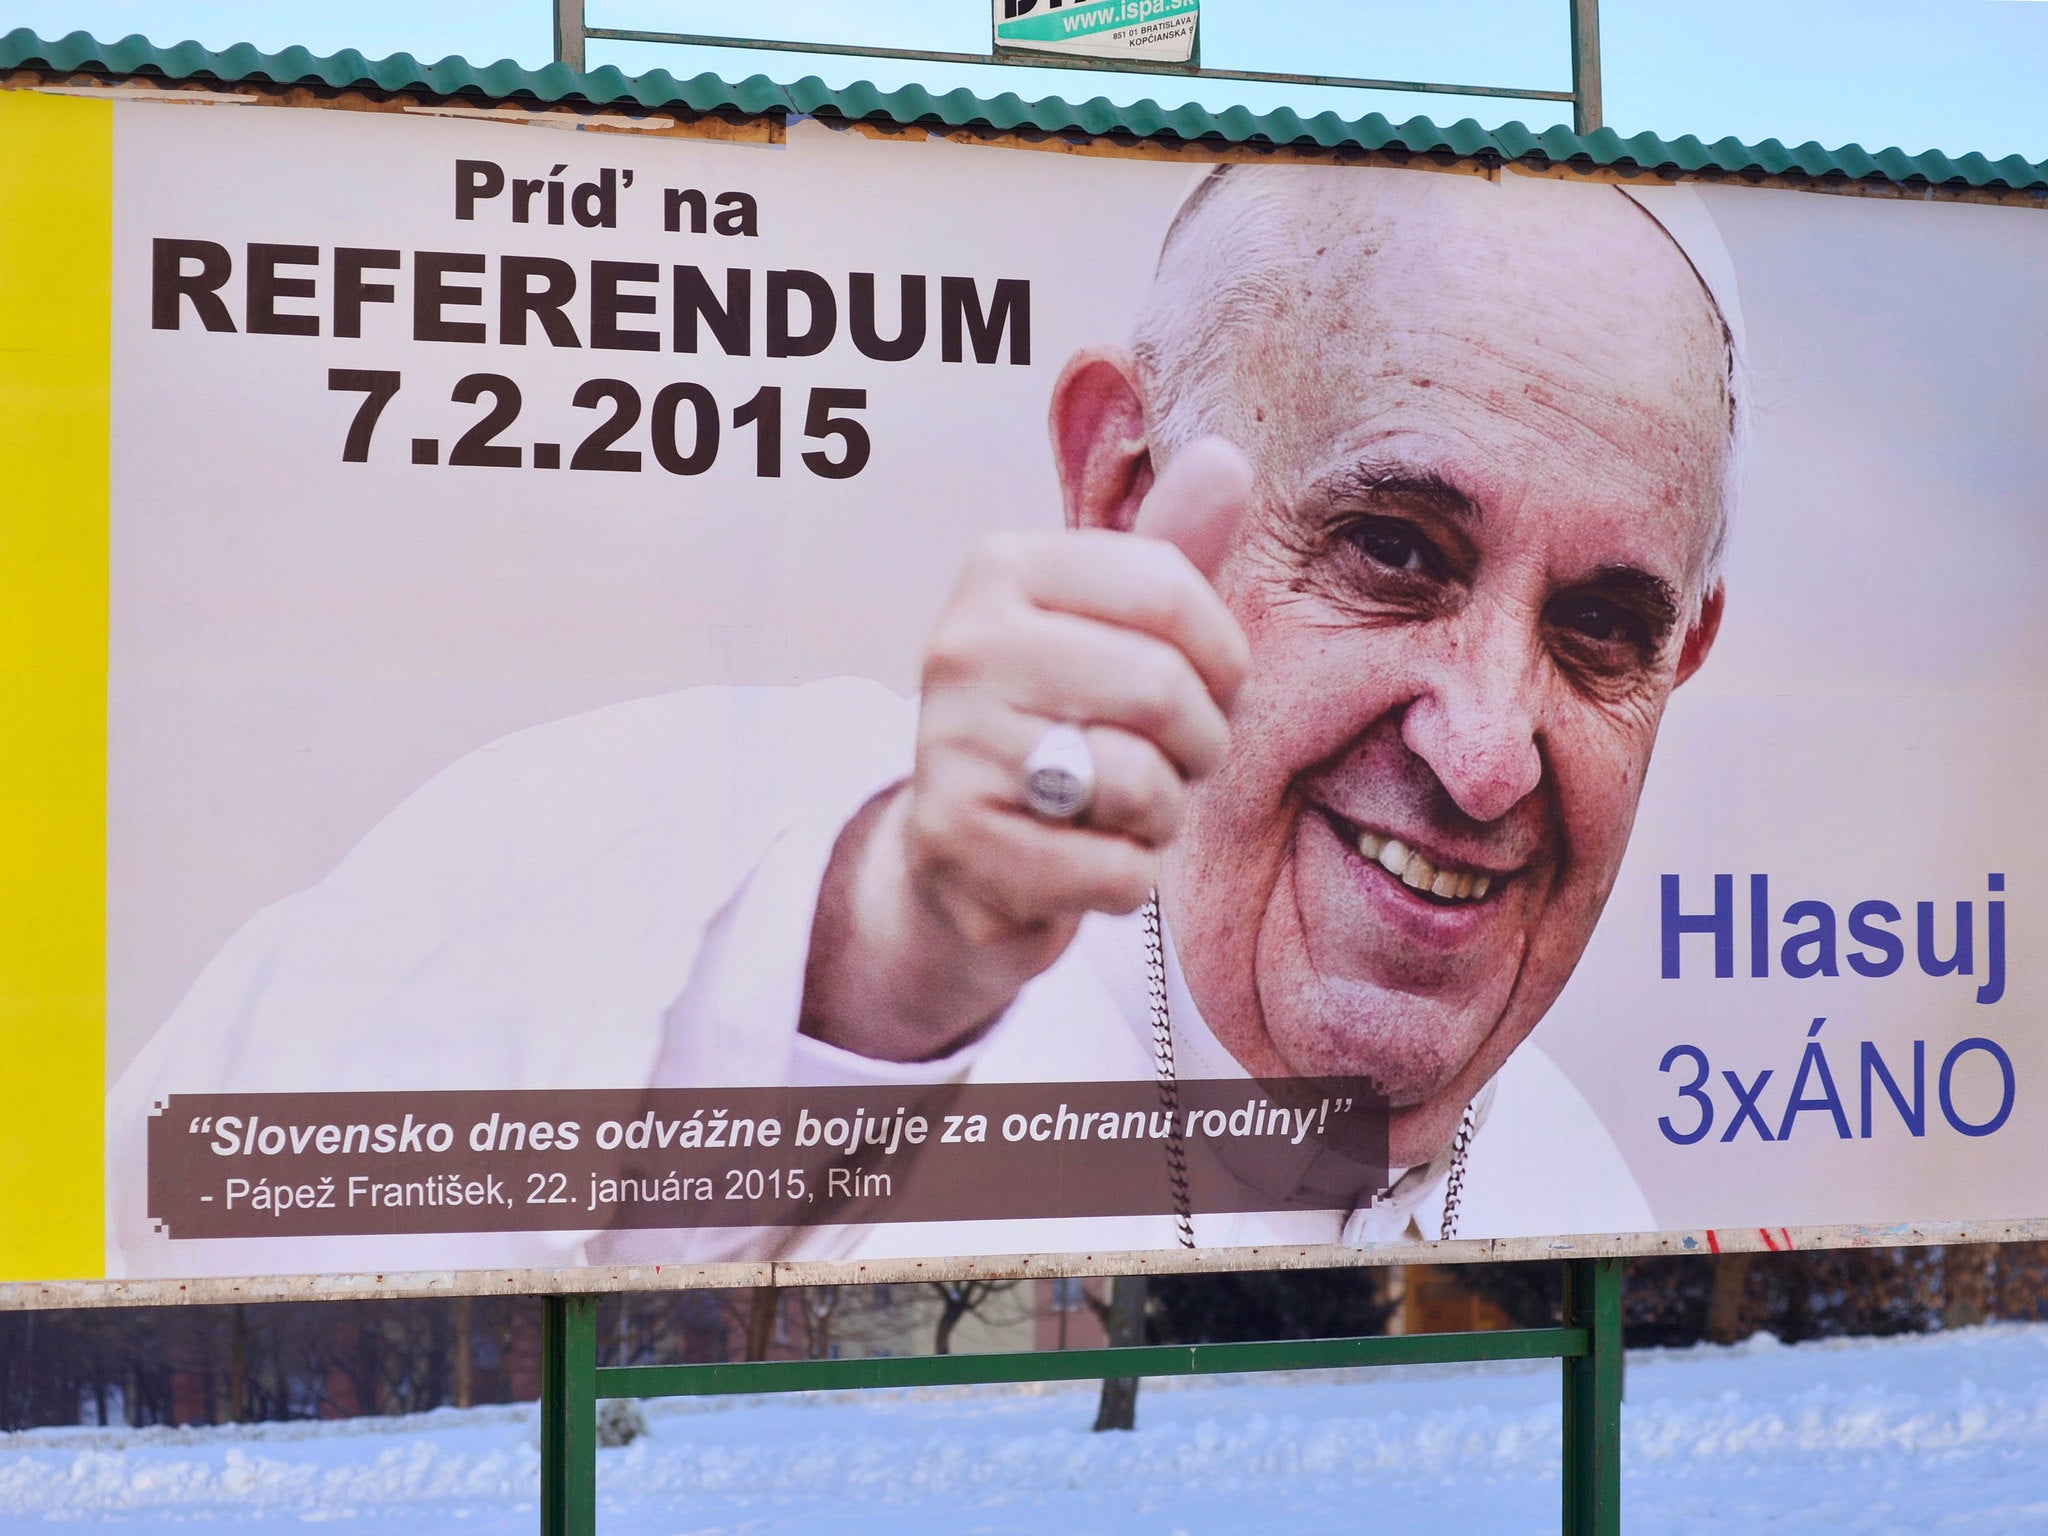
(1169, 1097)
(1454, 1181)
(1169, 1083)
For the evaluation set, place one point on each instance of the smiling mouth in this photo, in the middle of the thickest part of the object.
(1443, 883)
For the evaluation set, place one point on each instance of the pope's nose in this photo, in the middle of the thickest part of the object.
(1473, 723)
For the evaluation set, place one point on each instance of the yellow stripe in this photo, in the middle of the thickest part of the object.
(56, 278)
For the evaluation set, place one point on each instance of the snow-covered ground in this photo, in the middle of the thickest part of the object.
(1948, 1433)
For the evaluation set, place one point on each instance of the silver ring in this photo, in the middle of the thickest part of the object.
(1059, 775)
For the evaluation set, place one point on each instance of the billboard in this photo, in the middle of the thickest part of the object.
(658, 701)
(1162, 30)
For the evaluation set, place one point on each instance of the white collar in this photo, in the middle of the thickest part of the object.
(1115, 947)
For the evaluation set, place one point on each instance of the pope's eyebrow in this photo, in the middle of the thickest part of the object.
(1380, 480)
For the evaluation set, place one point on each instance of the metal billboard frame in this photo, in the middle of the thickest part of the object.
(573, 33)
(1587, 1343)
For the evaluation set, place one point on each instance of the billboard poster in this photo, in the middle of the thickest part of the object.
(1162, 30)
(670, 700)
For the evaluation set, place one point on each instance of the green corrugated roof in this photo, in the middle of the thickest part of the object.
(912, 105)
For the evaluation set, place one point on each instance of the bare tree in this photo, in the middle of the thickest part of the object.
(1124, 1319)
(465, 1352)
(1966, 1283)
(1725, 1296)
(764, 1303)
(820, 1305)
(960, 1299)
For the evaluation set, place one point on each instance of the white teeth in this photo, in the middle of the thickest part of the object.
(1413, 870)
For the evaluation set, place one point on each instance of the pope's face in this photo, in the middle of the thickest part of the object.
(1489, 432)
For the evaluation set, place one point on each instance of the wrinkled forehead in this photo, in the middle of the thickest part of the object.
(1327, 244)
(1315, 300)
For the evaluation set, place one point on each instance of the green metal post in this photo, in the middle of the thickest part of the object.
(569, 33)
(1587, 108)
(1592, 1400)
(568, 1416)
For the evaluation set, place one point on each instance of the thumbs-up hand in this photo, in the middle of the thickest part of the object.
(1199, 502)
(945, 897)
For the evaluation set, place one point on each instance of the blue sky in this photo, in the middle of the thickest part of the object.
(1954, 75)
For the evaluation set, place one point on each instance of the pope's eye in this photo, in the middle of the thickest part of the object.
(1601, 621)
(1396, 545)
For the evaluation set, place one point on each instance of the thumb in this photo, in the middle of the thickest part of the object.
(1199, 501)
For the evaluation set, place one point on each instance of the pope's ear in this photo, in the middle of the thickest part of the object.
(1700, 638)
(1098, 439)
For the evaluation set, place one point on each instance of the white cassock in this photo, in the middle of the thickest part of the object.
(623, 899)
